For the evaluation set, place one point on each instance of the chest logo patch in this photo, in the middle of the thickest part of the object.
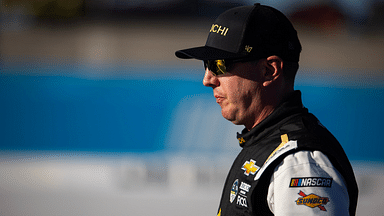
(250, 167)
(234, 190)
(312, 201)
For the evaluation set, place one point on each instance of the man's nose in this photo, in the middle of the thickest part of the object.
(210, 80)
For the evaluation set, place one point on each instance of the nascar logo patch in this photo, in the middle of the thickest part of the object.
(311, 182)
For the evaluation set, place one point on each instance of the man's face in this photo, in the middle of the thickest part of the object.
(238, 92)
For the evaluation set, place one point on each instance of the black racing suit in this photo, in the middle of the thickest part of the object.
(246, 186)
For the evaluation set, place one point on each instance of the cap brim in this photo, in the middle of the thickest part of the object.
(206, 53)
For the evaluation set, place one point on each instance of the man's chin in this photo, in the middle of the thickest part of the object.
(230, 118)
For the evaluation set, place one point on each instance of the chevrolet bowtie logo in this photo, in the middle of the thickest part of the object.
(250, 167)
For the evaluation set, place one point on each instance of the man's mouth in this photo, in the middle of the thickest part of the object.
(219, 99)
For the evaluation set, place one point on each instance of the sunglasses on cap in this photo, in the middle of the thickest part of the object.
(221, 66)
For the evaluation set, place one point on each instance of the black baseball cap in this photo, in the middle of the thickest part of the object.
(256, 31)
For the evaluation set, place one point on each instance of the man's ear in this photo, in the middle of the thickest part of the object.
(274, 69)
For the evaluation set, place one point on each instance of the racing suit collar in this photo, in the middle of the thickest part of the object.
(292, 105)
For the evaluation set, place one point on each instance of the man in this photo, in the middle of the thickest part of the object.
(289, 163)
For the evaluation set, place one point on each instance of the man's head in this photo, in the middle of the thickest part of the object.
(256, 31)
(251, 58)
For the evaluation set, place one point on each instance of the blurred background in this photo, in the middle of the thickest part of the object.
(98, 117)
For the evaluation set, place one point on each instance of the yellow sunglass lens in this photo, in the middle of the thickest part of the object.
(221, 69)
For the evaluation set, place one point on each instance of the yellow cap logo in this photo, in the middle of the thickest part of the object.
(219, 29)
(248, 48)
